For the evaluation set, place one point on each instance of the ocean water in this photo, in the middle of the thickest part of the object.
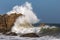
(30, 17)
(50, 24)
(44, 37)
(3, 37)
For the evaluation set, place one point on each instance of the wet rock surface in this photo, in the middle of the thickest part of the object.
(2, 24)
(7, 21)
(29, 35)
(10, 19)
(11, 34)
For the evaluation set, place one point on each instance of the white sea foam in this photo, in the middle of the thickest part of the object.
(23, 30)
(2, 37)
(47, 26)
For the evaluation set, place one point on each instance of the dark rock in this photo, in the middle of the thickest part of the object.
(29, 35)
(11, 34)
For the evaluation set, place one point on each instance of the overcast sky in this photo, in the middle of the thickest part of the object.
(46, 10)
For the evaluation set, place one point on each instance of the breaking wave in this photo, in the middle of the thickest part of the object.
(27, 20)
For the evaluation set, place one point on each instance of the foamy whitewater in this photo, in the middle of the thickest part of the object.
(23, 24)
(2, 37)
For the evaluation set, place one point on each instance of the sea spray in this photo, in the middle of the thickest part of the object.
(23, 23)
(27, 10)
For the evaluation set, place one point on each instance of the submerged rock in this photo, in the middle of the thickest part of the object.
(11, 34)
(29, 35)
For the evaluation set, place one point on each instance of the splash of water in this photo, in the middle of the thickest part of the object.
(27, 19)
(27, 10)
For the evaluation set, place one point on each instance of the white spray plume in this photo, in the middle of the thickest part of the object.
(27, 10)
(27, 19)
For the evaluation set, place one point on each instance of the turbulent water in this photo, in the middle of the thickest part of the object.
(29, 17)
(46, 37)
(3, 37)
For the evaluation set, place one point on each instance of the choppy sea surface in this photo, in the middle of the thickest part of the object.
(3, 37)
(46, 37)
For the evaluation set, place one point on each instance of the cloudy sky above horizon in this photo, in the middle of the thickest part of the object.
(46, 10)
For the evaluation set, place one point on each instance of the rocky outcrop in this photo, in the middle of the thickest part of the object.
(7, 21)
(10, 19)
(2, 24)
